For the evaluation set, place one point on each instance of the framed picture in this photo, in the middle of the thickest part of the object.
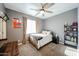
(16, 23)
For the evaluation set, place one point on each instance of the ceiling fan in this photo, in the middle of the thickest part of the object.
(44, 9)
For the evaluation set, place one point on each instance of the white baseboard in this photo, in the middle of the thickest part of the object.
(61, 42)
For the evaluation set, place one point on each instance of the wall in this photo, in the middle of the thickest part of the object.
(39, 25)
(2, 7)
(16, 34)
(56, 23)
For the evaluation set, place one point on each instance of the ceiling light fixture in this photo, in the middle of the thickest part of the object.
(41, 12)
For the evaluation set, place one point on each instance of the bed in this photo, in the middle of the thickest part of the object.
(40, 39)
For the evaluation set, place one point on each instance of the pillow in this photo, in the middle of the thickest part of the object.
(46, 32)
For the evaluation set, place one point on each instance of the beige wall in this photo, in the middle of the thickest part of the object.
(13, 34)
(16, 34)
(39, 25)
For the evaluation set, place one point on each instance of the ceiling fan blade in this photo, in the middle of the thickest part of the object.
(41, 4)
(36, 9)
(49, 11)
(37, 13)
(49, 5)
(43, 14)
(44, 4)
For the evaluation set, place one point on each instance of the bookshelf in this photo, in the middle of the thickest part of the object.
(71, 34)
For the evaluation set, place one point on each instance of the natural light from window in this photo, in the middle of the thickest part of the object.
(31, 26)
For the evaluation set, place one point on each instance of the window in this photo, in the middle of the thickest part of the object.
(31, 26)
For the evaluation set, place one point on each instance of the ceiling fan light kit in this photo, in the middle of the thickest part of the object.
(42, 12)
(44, 9)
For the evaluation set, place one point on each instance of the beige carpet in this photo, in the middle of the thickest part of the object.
(50, 49)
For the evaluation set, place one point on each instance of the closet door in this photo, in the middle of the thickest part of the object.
(0, 28)
(4, 29)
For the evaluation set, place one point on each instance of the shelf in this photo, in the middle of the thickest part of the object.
(71, 43)
(67, 40)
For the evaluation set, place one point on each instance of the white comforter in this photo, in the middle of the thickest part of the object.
(46, 38)
(38, 35)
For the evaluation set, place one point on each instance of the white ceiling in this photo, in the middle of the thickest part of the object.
(26, 8)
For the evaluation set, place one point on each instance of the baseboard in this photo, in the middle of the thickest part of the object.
(3, 39)
(61, 42)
